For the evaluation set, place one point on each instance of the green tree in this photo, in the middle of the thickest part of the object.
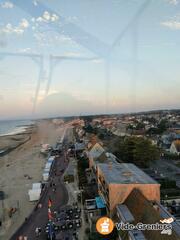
(162, 126)
(140, 125)
(136, 150)
(144, 152)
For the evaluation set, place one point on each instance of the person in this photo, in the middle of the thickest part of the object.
(25, 238)
(40, 205)
(37, 232)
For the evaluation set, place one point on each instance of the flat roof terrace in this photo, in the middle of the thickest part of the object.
(124, 173)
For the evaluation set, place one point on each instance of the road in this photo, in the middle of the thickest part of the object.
(39, 217)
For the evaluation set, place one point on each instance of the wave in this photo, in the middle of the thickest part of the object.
(14, 127)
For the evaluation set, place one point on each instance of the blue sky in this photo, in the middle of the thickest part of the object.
(143, 63)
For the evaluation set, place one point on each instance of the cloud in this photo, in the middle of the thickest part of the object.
(24, 23)
(24, 50)
(9, 29)
(72, 19)
(35, 3)
(63, 38)
(7, 4)
(47, 18)
(172, 24)
(49, 38)
(97, 61)
(72, 54)
(172, 2)
(19, 29)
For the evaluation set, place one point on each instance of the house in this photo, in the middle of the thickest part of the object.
(105, 157)
(94, 152)
(175, 147)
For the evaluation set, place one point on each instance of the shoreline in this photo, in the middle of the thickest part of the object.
(10, 149)
(15, 140)
(19, 129)
(22, 161)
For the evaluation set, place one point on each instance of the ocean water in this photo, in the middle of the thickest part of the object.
(11, 127)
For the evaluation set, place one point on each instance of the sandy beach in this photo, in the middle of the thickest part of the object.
(21, 167)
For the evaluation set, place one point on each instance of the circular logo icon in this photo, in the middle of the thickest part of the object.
(104, 225)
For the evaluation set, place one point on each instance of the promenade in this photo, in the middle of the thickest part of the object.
(39, 216)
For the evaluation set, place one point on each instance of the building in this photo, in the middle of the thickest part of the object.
(138, 209)
(105, 157)
(116, 182)
(94, 152)
(175, 147)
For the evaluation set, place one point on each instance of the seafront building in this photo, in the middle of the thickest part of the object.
(116, 182)
(128, 194)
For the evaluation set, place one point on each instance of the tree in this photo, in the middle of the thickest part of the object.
(144, 152)
(162, 126)
(140, 125)
(136, 150)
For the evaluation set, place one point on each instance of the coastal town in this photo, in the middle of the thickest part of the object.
(89, 120)
(124, 166)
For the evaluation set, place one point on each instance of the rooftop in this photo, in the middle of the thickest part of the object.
(124, 214)
(105, 158)
(144, 211)
(96, 150)
(99, 202)
(123, 173)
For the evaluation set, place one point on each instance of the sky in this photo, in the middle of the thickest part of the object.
(64, 58)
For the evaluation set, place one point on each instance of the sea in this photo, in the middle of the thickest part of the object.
(11, 127)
